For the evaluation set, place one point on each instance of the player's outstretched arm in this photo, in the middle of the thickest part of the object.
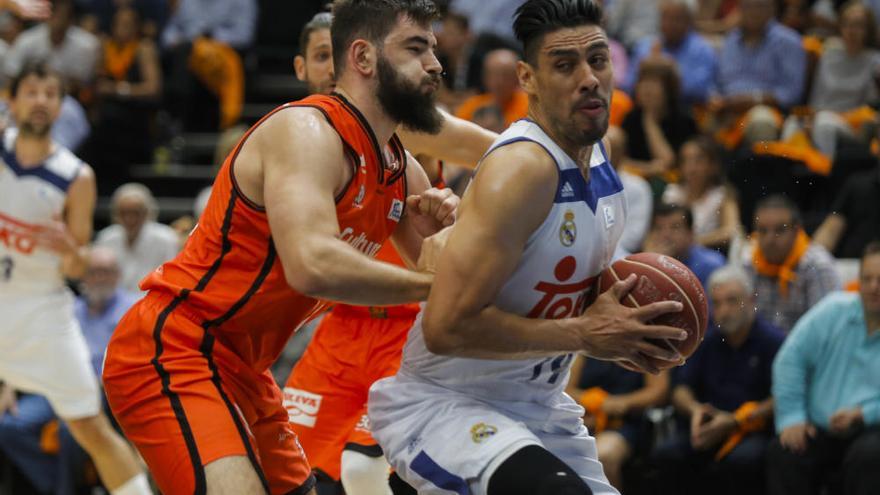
(508, 200)
(304, 168)
(459, 141)
(68, 235)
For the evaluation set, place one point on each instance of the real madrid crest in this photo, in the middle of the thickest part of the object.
(482, 431)
(568, 230)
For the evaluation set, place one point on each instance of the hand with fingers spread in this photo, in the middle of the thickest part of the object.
(614, 332)
(796, 437)
(432, 210)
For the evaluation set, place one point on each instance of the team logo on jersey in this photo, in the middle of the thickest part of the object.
(363, 424)
(396, 210)
(568, 230)
(302, 407)
(359, 200)
(481, 431)
(360, 242)
(17, 235)
(563, 298)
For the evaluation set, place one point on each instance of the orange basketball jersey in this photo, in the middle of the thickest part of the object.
(228, 275)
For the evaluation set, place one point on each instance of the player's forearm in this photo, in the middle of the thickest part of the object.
(338, 272)
(495, 334)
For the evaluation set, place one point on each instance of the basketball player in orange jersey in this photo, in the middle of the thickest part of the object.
(326, 393)
(306, 193)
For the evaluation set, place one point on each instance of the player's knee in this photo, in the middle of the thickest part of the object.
(364, 475)
(533, 470)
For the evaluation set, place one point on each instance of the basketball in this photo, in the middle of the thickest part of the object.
(662, 278)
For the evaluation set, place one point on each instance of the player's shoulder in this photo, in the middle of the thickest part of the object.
(297, 125)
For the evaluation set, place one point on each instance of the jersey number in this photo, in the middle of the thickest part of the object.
(6, 265)
(554, 368)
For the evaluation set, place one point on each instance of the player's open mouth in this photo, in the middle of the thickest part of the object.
(592, 108)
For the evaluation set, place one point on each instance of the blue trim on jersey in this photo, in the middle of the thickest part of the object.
(40, 171)
(425, 467)
(573, 188)
(520, 139)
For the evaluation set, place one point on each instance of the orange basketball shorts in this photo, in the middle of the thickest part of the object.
(326, 393)
(185, 400)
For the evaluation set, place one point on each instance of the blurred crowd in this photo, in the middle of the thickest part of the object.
(746, 135)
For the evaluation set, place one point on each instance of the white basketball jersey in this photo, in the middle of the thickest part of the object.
(29, 198)
(554, 278)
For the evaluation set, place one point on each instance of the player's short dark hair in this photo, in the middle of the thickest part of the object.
(39, 69)
(783, 202)
(322, 20)
(372, 20)
(669, 209)
(536, 18)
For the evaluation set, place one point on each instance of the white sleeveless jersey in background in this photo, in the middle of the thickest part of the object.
(30, 197)
(553, 280)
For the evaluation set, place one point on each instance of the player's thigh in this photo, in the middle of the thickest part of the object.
(55, 364)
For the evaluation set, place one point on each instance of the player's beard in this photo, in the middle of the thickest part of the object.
(407, 103)
(34, 130)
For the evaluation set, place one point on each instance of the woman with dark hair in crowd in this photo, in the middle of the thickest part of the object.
(657, 126)
(703, 189)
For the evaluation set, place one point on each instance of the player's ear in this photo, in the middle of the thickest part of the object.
(526, 74)
(363, 56)
(299, 67)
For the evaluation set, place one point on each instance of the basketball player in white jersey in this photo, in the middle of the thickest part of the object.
(47, 199)
(478, 406)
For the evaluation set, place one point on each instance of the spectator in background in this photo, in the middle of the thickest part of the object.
(630, 21)
(204, 76)
(502, 86)
(702, 189)
(854, 220)
(140, 243)
(723, 392)
(695, 57)
(717, 17)
(455, 50)
(314, 63)
(672, 234)
(491, 118)
(129, 90)
(657, 126)
(639, 199)
(845, 81)
(615, 400)
(154, 13)
(790, 272)
(827, 393)
(493, 17)
(23, 435)
(761, 68)
(68, 49)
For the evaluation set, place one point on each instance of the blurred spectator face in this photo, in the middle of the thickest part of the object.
(316, 67)
(37, 104)
(650, 93)
(572, 80)
(125, 25)
(131, 212)
(675, 22)
(756, 14)
(101, 278)
(869, 284)
(697, 168)
(61, 19)
(454, 34)
(854, 27)
(499, 74)
(733, 308)
(775, 233)
(672, 235)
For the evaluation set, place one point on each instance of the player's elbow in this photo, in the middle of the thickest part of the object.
(307, 279)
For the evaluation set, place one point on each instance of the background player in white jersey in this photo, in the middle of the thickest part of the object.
(479, 405)
(47, 199)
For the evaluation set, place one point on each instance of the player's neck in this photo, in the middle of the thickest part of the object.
(576, 151)
(366, 102)
(32, 151)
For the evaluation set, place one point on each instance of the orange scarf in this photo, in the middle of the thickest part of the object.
(784, 272)
(746, 423)
(119, 58)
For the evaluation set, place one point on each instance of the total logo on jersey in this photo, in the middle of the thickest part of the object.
(302, 407)
(16, 235)
(562, 299)
(360, 242)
